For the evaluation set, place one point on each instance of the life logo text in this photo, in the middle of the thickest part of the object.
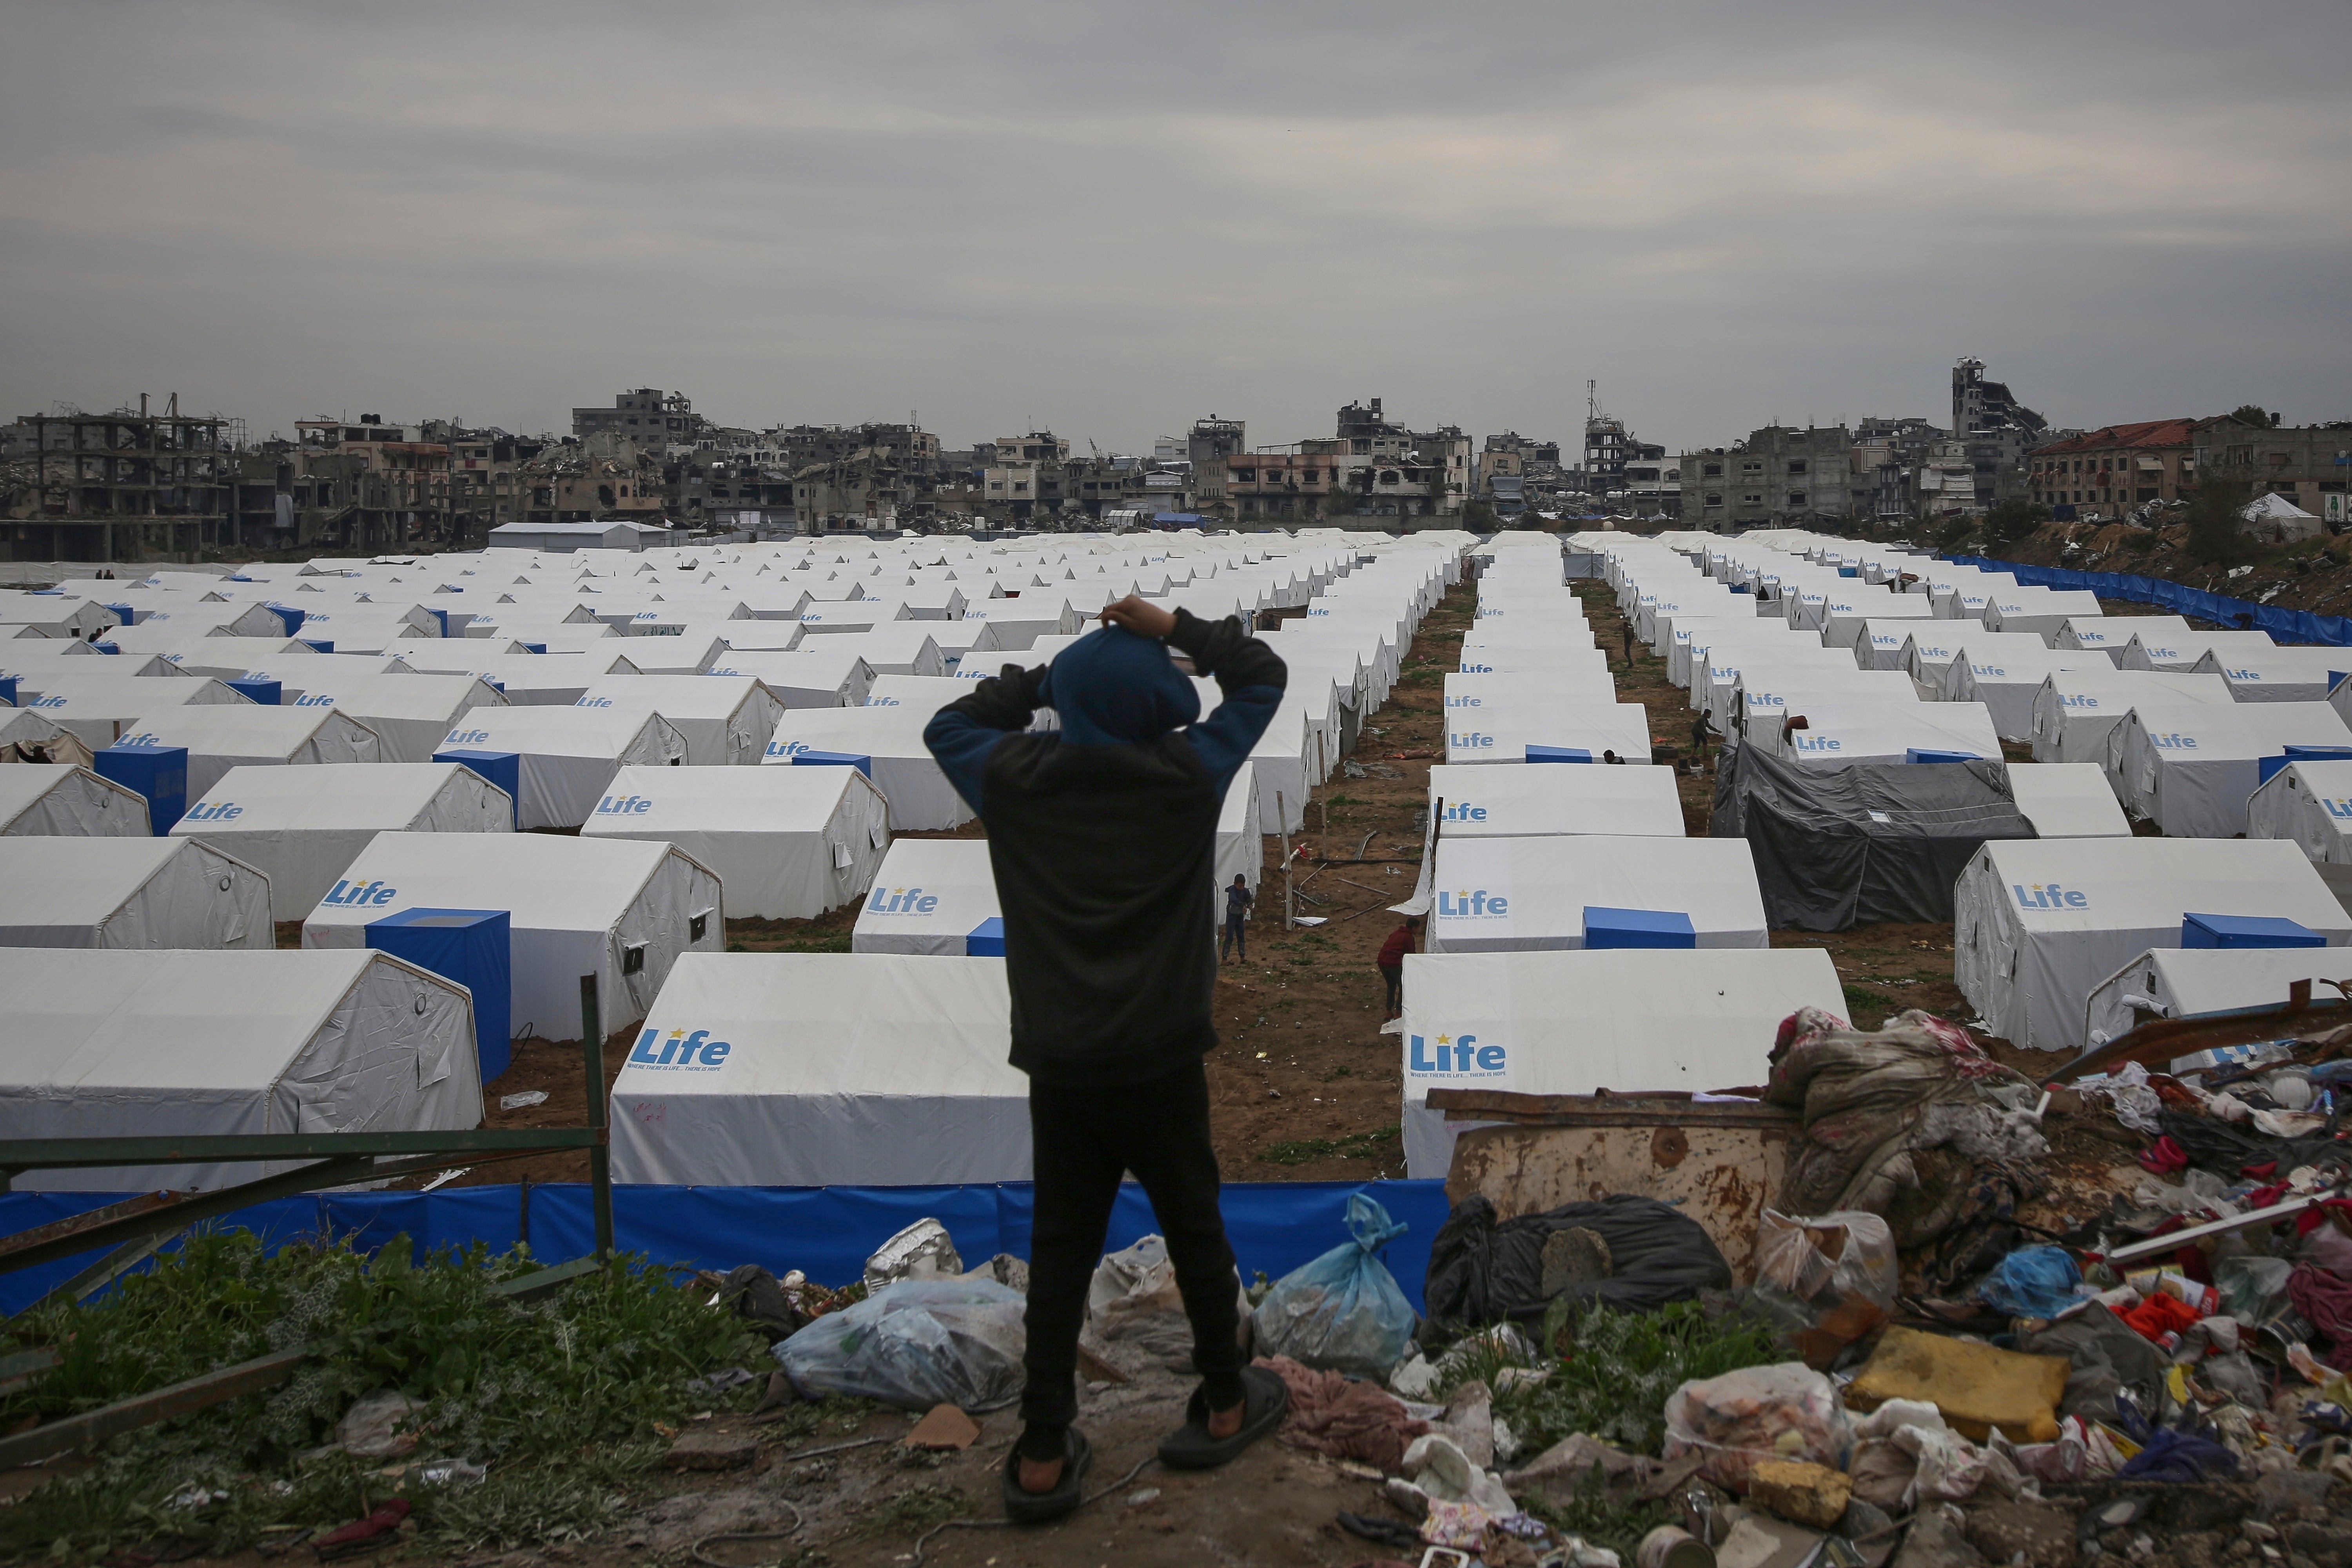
(787, 748)
(1462, 811)
(226, 811)
(2050, 896)
(467, 737)
(697, 1052)
(345, 894)
(624, 805)
(1456, 1054)
(901, 902)
(1477, 904)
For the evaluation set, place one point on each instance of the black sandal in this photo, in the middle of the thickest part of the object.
(1266, 1400)
(1023, 1507)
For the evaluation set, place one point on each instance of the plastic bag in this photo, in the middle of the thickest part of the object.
(1829, 1282)
(2031, 1282)
(1343, 1311)
(923, 1250)
(920, 1344)
(1135, 1314)
(1739, 1420)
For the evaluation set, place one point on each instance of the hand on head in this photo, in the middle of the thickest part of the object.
(1139, 616)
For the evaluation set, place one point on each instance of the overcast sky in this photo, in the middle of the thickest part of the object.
(1111, 219)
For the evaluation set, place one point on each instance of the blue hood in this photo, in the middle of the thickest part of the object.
(1112, 688)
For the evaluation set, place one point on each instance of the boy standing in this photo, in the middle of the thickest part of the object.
(1103, 838)
(1238, 900)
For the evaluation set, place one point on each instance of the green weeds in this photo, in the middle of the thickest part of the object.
(1356, 1146)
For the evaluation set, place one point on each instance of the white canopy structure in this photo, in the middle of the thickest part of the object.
(891, 741)
(102, 709)
(1508, 895)
(62, 801)
(2040, 922)
(1241, 836)
(1515, 729)
(249, 735)
(1516, 803)
(2191, 769)
(2109, 634)
(2007, 682)
(128, 892)
(1871, 730)
(820, 1069)
(933, 896)
(2199, 983)
(821, 675)
(1572, 1023)
(2067, 800)
(898, 647)
(2073, 712)
(724, 720)
(2308, 805)
(114, 1044)
(26, 737)
(2278, 674)
(568, 755)
(2180, 650)
(526, 679)
(409, 712)
(617, 908)
(304, 833)
(786, 843)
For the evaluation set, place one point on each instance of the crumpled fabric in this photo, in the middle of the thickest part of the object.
(2231, 1152)
(2164, 1157)
(2107, 1356)
(2170, 1455)
(2325, 1299)
(2127, 1096)
(2159, 1315)
(1899, 1124)
(1346, 1418)
(2031, 1282)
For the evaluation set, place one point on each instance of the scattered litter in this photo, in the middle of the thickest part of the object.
(516, 1102)
(376, 1426)
(923, 1250)
(945, 1429)
(921, 1342)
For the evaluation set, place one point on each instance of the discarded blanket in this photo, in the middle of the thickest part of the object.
(1629, 1253)
(1904, 1123)
(1345, 1417)
(2325, 1299)
(2230, 1152)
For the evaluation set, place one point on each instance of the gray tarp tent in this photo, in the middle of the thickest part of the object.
(1872, 842)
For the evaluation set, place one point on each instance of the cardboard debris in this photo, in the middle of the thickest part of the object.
(944, 1428)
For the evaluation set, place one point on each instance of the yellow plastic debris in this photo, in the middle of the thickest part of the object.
(1976, 1386)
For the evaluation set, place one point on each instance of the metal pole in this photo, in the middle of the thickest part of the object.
(599, 1155)
(1281, 820)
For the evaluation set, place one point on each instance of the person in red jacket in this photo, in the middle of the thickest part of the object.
(1392, 960)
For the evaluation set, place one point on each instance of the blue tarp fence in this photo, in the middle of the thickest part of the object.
(825, 1232)
(2284, 626)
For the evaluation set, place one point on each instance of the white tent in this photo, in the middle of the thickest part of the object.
(2109, 634)
(26, 737)
(102, 709)
(2310, 805)
(1513, 803)
(722, 719)
(409, 712)
(568, 755)
(2190, 769)
(2041, 611)
(928, 693)
(891, 739)
(786, 843)
(2278, 674)
(128, 892)
(1572, 1023)
(1515, 729)
(2073, 711)
(1241, 836)
(1577, 680)
(900, 648)
(185, 1044)
(933, 896)
(616, 909)
(2181, 650)
(1014, 625)
(823, 676)
(2040, 922)
(229, 736)
(526, 680)
(60, 800)
(2198, 983)
(1870, 730)
(303, 833)
(2067, 800)
(2007, 682)
(1505, 895)
(818, 1070)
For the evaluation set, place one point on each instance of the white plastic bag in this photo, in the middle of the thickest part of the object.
(1135, 1314)
(1739, 1420)
(923, 1250)
(920, 1342)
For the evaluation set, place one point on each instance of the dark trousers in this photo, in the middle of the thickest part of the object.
(1082, 1141)
(1394, 975)
(1236, 937)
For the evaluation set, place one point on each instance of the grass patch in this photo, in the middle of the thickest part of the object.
(1357, 1146)
(1615, 1370)
(1860, 999)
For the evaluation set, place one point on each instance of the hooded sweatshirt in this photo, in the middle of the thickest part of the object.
(1103, 835)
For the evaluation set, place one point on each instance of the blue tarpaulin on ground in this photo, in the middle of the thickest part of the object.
(2284, 626)
(825, 1232)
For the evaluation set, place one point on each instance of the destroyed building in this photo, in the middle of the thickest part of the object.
(121, 485)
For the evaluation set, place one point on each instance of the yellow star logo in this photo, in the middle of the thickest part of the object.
(1445, 1039)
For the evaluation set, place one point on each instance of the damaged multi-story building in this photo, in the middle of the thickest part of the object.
(122, 486)
(1996, 431)
(1780, 476)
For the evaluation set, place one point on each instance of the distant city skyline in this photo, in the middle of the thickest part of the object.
(1110, 222)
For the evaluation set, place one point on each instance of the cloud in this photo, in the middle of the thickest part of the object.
(1111, 219)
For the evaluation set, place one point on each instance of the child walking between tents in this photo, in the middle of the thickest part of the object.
(1102, 837)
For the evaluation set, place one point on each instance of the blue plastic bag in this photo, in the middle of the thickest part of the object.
(2031, 1282)
(1342, 1313)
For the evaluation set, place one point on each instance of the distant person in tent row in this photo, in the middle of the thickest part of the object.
(1613, 759)
(1390, 962)
(1702, 731)
(1103, 835)
(1238, 900)
(1629, 644)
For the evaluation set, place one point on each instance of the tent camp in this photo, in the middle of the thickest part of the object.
(1514, 802)
(2278, 674)
(2109, 634)
(248, 736)
(900, 648)
(101, 709)
(724, 720)
(1571, 1023)
(820, 1069)
(2198, 983)
(128, 892)
(2191, 769)
(933, 896)
(822, 674)
(1505, 895)
(890, 744)
(303, 835)
(2310, 805)
(1837, 848)
(526, 680)
(617, 908)
(567, 756)
(2180, 651)
(2067, 800)
(26, 737)
(60, 800)
(114, 1044)
(1521, 729)
(2007, 682)
(786, 843)
(2073, 711)
(409, 712)
(1241, 835)
(2038, 924)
